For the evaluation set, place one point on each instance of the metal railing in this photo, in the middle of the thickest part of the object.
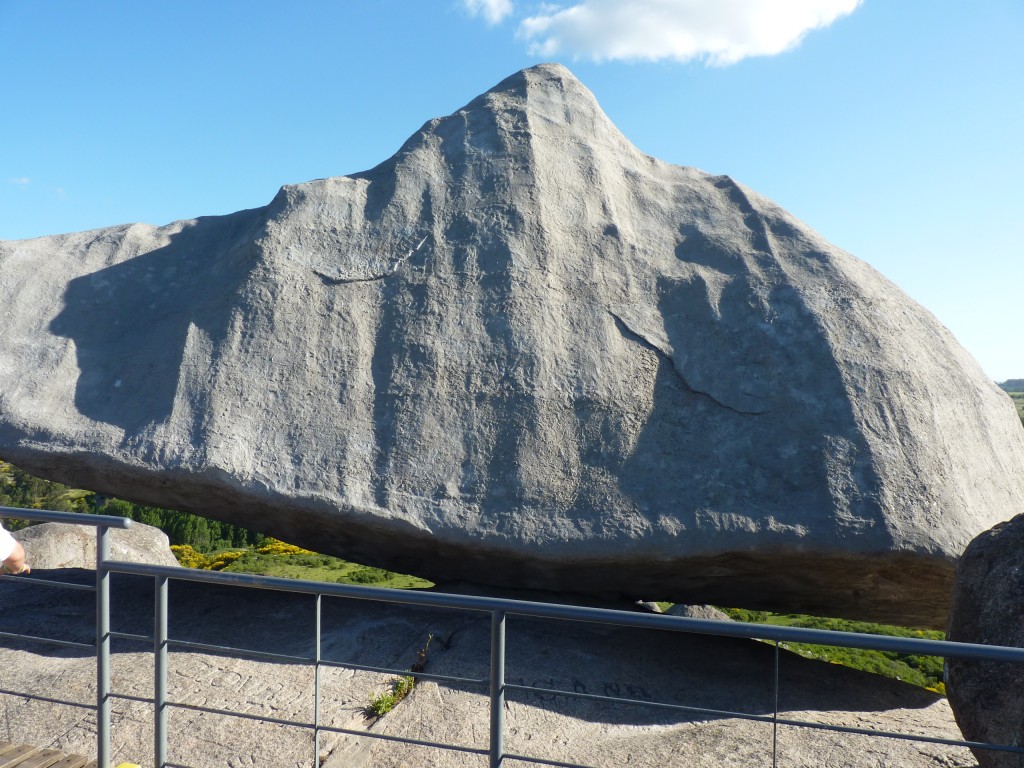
(494, 683)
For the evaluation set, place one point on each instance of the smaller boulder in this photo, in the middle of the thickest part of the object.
(63, 545)
(698, 612)
(988, 607)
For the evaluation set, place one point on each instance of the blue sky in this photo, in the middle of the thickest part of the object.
(893, 127)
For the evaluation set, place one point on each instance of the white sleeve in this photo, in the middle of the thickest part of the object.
(6, 543)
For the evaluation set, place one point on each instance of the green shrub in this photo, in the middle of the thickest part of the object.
(367, 575)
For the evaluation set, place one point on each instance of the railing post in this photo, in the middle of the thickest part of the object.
(102, 647)
(160, 672)
(316, 688)
(775, 714)
(497, 746)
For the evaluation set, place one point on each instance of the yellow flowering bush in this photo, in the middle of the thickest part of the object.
(188, 557)
(277, 547)
(223, 560)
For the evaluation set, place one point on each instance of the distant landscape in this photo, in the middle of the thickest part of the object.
(1015, 389)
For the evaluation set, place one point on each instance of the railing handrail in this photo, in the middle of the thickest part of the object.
(586, 614)
(75, 518)
(498, 608)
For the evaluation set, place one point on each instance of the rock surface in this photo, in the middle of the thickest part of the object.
(988, 607)
(695, 671)
(521, 352)
(698, 612)
(60, 545)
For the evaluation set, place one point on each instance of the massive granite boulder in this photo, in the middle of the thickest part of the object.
(521, 352)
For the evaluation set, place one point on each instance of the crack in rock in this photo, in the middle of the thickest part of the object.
(336, 280)
(643, 340)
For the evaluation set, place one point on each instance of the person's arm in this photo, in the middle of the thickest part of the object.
(16, 562)
(12, 553)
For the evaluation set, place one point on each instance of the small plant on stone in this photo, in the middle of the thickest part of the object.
(399, 688)
(403, 686)
(381, 704)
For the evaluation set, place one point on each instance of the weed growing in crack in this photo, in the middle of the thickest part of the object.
(398, 688)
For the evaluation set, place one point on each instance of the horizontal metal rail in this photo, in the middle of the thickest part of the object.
(48, 641)
(37, 582)
(131, 637)
(47, 699)
(494, 684)
(590, 615)
(75, 518)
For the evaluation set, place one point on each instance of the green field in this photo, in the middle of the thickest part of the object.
(923, 671)
(1018, 400)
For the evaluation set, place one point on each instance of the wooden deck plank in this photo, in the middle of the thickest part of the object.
(25, 756)
(71, 761)
(15, 757)
(44, 759)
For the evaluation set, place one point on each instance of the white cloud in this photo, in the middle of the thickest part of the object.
(21, 181)
(493, 11)
(719, 32)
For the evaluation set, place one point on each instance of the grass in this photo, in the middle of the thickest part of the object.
(922, 671)
(1018, 400)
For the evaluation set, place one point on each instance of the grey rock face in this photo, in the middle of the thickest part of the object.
(59, 545)
(521, 352)
(988, 607)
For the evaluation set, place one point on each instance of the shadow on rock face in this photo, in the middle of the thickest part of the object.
(131, 322)
(702, 672)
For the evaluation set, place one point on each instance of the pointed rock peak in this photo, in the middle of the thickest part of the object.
(543, 105)
(550, 96)
(544, 84)
(541, 78)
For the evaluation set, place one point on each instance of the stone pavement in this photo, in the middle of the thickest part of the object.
(706, 672)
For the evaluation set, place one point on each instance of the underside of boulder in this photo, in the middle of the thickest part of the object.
(521, 352)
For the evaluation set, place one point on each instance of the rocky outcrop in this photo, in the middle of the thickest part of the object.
(62, 545)
(521, 352)
(988, 607)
